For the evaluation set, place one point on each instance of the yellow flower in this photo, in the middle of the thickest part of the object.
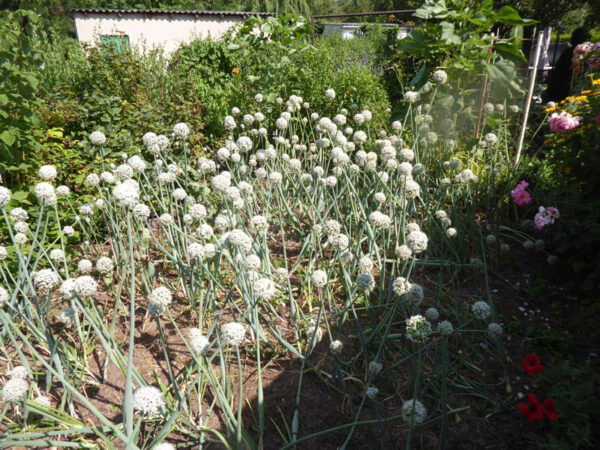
(580, 98)
(587, 91)
(548, 110)
(596, 82)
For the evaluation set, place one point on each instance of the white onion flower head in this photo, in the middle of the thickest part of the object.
(166, 219)
(148, 401)
(45, 192)
(181, 130)
(466, 176)
(412, 189)
(239, 239)
(397, 126)
(432, 314)
(229, 123)
(21, 227)
(123, 172)
(15, 389)
(330, 94)
(365, 282)
(379, 220)
(4, 196)
(104, 265)
(445, 327)
(319, 279)
(440, 77)
(4, 296)
(495, 330)
(67, 288)
(205, 231)
(149, 139)
(340, 242)
(19, 372)
(195, 250)
(85, 286)
(335, 347)
(127, 193)
(491, 139)
(403, 252)
(141, 211)
(137, 164)
(85, 266)
(313, 332)
(365, 265)
(179, 194)
(359, 119)
(198, 342)
(161, 296)
(481, 310)
(46, 280)
(359, 137)
(47, 172)
(107, 177)
(92, 179)
(371, 392)
(21, 238)
(451, 233)
(56, 254)
(233, 334)
(375, 368)
(275, 178)
(164, 446)
(263, 289)
(412, 96)
(281, 123)
(198, 211)
(67, 316)
(418, 328)
(414, 411)
(417, 241)
(97, 138)
(258, 224)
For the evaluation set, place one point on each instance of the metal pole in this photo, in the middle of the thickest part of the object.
(529, 95)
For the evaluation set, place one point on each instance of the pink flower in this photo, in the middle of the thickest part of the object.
(520, 195)
(597, 119)
(545, 217)
(521, 198)
(563, 122)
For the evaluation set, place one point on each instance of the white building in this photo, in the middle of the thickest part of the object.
(152, 28)
(349, 30)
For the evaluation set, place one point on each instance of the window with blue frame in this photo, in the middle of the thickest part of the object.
(115, 43)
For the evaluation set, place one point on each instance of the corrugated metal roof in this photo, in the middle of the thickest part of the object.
(168, 12)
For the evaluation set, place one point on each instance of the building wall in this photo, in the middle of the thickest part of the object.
(168, 31)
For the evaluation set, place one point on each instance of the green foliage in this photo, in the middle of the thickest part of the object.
(570, 162)
(19, 103)
(457, 36)
(574, 390)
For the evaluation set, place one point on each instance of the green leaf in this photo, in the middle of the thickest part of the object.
(502, 71)
(510, 50)
(8, 137)
(448, 34)
(510, 16)
(19, 196)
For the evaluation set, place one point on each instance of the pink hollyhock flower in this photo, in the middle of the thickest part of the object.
(563, 122)
(597, 119)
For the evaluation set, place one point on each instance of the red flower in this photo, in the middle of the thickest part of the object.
(550, 410)
(534, 411)
(531, 364)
